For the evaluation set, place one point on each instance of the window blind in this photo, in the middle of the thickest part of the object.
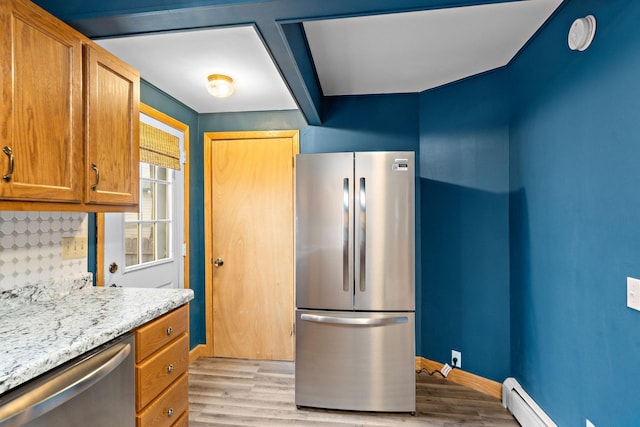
(158, 147)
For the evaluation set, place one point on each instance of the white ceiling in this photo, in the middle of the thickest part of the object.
(391, 53)
(179, 63)
(412, 52)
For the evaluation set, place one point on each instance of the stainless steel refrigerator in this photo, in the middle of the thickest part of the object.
(355, 285)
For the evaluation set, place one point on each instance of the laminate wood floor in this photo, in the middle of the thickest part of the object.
(235, 392)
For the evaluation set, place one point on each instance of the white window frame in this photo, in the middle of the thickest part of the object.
(154, 220)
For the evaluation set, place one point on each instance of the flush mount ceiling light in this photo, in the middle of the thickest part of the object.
(582, 32)
(219, 85)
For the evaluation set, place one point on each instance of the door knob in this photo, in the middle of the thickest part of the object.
(218, 262)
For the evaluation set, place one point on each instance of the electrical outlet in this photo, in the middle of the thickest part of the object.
(455, 354)
(74, 247)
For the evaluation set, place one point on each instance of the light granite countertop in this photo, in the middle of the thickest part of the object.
(39, 331)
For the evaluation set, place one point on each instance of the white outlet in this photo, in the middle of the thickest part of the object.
(633, 293)
(458, 356)
(589, 423)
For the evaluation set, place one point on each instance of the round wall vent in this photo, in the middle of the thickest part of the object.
(582, 32)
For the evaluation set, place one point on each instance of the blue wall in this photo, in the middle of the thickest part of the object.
(365, 123)
(574, 219)
(464, 156)
(352, 123)
(249, 121)
(159, 100)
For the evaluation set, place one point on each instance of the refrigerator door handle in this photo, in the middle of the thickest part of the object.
(363, 234)
(345, 235)
(354, 321)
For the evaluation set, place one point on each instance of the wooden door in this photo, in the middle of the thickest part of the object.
(252, 181)
(112, 107)
(41, 106)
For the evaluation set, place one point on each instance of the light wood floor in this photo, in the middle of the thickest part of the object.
(234, 392)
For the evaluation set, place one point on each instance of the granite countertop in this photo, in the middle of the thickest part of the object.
(40, 329)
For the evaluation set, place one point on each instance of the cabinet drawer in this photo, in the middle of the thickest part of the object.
(160, 370)
(168, 407)
(155, 334)
(183, 421)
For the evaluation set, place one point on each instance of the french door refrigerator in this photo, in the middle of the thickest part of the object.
(355, 293)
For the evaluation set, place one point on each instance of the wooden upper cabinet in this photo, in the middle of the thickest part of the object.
(41, 148)
(69, 117)
(112, 117)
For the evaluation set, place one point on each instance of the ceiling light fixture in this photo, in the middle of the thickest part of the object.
(219, 85)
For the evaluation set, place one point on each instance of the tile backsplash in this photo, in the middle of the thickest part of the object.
(31, 246)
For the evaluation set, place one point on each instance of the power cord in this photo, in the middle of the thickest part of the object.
(444, 371)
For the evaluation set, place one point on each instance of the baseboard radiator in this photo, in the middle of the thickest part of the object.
(522, 406)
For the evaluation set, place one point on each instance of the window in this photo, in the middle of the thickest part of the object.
(148, 232)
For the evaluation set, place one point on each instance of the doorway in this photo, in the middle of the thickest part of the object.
(149, 248)
(249, 243)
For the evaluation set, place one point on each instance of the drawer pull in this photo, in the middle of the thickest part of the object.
(169, 330)
(170, 368)
(169, 412)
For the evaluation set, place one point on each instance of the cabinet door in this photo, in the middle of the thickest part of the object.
(41, 106)
(112, 108)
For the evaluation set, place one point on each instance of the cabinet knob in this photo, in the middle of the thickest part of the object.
(169, 330)
(169, 412)
(170, 368)
(7, 150)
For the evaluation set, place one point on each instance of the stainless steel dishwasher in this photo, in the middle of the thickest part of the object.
(96, 389)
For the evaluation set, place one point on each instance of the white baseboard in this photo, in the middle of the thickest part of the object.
(522, 406)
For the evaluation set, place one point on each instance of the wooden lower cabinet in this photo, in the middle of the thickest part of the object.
(162, 379)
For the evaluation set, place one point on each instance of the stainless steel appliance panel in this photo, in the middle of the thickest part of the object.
(355, 361)
(96, 389)
(384, 231)
(324, 231)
